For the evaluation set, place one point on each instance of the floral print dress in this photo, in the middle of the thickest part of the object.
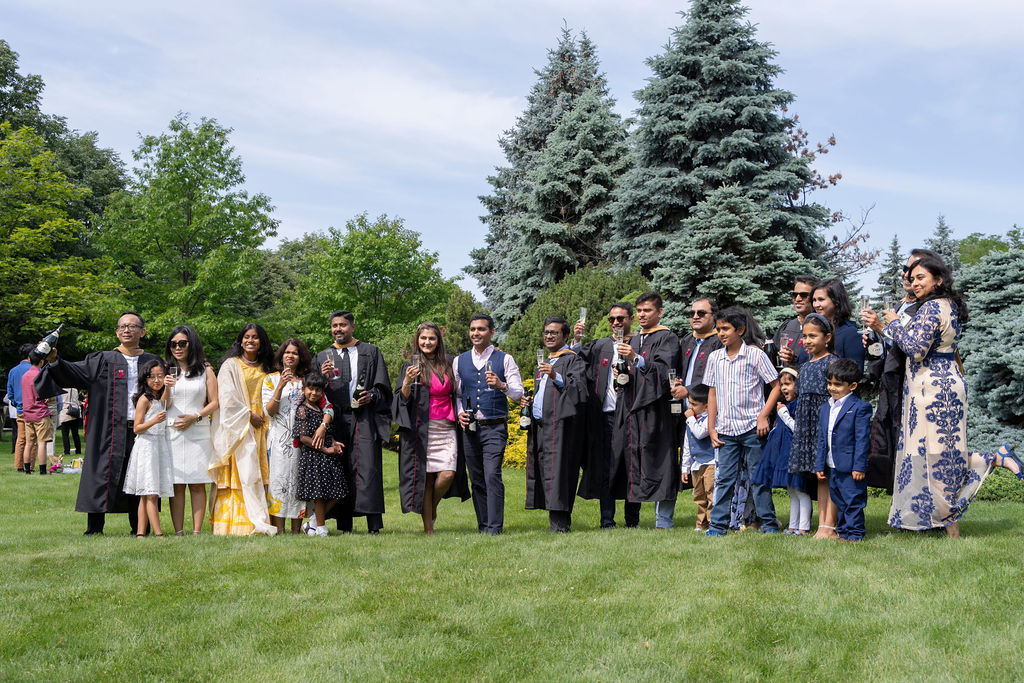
(936, 478)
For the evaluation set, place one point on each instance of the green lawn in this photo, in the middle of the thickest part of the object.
(612, 604)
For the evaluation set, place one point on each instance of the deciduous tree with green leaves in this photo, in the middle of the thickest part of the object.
(40, 285)
(186, 233)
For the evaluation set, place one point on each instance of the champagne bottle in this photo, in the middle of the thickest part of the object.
(875, 348)
(44, 347)
(471, 427)
(622, 379)
(525, 417)
(358, 392)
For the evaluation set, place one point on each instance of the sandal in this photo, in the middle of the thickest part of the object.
(1007, 452)
(179, 533)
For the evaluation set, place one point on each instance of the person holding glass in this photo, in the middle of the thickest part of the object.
(937, 478)
(431, 465)
(789, 337)
(193, 405)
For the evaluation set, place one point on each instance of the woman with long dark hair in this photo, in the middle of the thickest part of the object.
(936, 476)
(430, 464)
(192, 387)
(240, 469)
(282, 394)
(831, 300)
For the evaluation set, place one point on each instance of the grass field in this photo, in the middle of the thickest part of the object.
(593, 604)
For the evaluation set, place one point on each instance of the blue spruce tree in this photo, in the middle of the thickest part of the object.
(710, 116)
(572, 69)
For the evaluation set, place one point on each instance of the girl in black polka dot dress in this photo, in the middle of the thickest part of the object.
(321, 473)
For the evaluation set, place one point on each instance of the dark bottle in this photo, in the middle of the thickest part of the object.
(358, 392)
(44, 347)
(471, 427)
(875, 348)
(525, 417)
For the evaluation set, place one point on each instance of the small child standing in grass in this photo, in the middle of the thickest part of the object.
(321, 472)
(738, 417)
(773, 471)
(699, 456)
(150, 474)
(844, 442)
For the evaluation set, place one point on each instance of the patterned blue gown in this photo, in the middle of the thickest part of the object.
(936, 478)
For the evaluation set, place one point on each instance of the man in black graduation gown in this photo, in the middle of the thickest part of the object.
(110, 377)
(645, 440)
(602, 395)
(361, 423)
(552, 443)
(697, 345)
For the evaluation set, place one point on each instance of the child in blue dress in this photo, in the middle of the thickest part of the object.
(773, 470)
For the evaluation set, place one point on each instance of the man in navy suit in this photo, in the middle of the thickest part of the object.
(844, 443)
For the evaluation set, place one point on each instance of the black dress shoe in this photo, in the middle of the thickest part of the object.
(91, 532)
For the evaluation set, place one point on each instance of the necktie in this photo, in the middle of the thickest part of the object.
(346, 372)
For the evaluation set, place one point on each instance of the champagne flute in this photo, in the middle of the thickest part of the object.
(671, 378)
(540, 359)
(489, 367)
(583, 320)
(620, 335)
(416, 362)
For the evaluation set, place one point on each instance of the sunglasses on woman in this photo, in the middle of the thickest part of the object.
(179, 344)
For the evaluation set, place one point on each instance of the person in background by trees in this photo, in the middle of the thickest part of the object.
(936, 476)
(431, 463)
(14, 396)
(110, 378)
(71, 422)
(601, 358)
(484, 377)
(191, 407)
(793, 328)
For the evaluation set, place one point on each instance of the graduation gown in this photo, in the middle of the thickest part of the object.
(552, 443)
(646, 438)
(596, 449)
(103, 374)
(362, 431)
(413, 418)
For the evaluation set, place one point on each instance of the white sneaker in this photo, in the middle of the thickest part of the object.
(321, 530)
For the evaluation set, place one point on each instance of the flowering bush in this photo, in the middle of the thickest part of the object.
(515, 449)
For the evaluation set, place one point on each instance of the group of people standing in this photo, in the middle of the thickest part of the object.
(279, 436)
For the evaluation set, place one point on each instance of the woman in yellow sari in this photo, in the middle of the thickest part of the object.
(240, 470)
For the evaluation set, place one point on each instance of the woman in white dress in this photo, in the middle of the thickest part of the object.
(282, 394)
(190, 415)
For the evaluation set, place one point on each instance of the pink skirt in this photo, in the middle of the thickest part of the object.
(441, 448)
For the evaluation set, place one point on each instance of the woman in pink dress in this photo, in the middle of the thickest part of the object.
(430, 463)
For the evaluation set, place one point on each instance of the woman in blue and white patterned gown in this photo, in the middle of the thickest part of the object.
(936, 477)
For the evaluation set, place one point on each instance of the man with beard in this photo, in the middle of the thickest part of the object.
(111, 378)
(602, 395)
(552, 443)
(360, 391)
(646, 438)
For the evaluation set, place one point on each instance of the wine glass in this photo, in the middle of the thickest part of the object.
(620, 335)
(671, 378)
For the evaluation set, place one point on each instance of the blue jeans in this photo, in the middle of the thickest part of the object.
(664, 511)
(737, 450)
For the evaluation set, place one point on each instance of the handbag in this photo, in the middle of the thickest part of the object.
(74, 412)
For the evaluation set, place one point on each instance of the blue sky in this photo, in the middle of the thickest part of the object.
(395, 106)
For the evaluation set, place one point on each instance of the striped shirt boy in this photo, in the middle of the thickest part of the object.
(739, 387)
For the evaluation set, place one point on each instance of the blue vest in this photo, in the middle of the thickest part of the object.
(492, 404)
(701, 450)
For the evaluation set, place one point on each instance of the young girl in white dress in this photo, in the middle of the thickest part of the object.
(191, 407)
(149, 465)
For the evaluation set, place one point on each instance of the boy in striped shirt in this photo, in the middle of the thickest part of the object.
(738, 417)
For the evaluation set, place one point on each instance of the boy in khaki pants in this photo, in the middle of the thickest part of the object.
(699, 456)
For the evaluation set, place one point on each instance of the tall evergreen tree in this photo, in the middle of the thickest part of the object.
(728, 252)
(890, 280)
(945, 244)
(568, 215)
(571, 70)
(710, 116)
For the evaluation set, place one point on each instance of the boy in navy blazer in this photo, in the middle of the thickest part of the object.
(844, 442)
